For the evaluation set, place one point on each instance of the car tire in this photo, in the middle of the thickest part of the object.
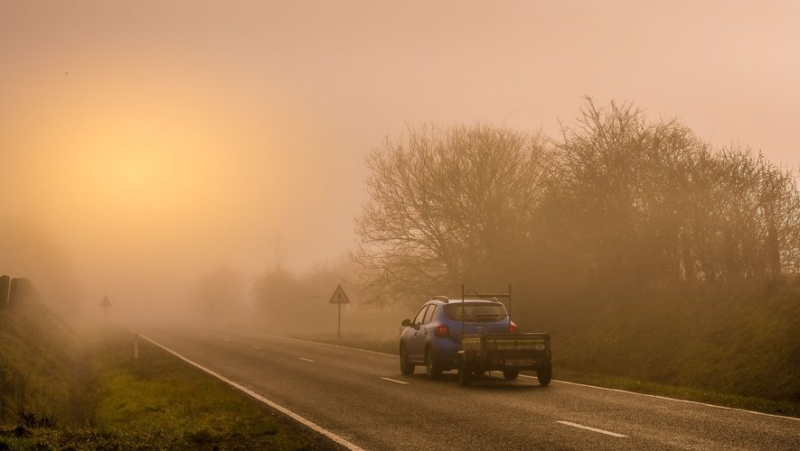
(432, 369)
(406, 367)
(544, 375)
(465, 374)
(510, 375)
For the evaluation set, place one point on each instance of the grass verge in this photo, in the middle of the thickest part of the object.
(159, 402)
(716, 398)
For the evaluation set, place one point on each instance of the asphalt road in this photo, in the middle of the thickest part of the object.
(362, 398)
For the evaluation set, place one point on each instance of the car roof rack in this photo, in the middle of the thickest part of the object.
(491, 297)
(444, 299)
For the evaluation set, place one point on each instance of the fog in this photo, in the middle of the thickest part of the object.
(145, 145)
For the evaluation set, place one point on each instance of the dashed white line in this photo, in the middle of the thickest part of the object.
(266, 401)
(305, 360)
(257, 347)
(395, 381)
(601, 431)
(226, 340)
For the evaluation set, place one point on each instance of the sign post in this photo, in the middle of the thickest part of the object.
(339, 297)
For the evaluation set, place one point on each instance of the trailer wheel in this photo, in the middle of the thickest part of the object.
(465, 373)
(510, 375)
(431, 368)
(406, 367)
(545, 374)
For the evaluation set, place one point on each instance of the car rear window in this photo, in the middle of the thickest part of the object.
(475, 312)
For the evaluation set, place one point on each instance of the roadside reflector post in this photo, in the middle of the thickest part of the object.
(136, 346)
(339, 297)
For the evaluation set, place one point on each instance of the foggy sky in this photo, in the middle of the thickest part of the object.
(145, 142)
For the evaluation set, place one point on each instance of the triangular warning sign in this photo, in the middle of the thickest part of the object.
(339, 297)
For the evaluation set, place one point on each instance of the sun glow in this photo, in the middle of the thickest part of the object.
(146, 180)
(137, 172)
(124, 173)
(128, 174)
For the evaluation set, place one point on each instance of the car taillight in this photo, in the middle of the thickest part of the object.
(512, 327)
(442, 331)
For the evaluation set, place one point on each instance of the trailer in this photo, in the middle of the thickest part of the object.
(509, 352)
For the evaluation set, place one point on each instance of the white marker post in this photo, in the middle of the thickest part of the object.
(339, 297)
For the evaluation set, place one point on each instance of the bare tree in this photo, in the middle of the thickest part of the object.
(614, 196)
(448, 205)
(636, 200)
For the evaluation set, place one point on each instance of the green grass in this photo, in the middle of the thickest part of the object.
(37, 366)
(160, 401)
(94, 395)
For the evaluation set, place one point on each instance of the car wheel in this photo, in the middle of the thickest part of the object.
(406, 367)
(431, 368)
(510, 375)
(544, 374)
(465, 373)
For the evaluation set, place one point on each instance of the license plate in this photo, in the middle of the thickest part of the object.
(517, 362)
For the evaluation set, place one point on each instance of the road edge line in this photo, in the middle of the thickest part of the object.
(308, 423)
(667, 398)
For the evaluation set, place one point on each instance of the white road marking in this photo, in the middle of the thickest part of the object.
(601, 431)
(306, 360)
(226, 340)
(396, 381)
(279, 408)
(257, 347)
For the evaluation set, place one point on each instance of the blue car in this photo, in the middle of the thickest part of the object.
(432, 338)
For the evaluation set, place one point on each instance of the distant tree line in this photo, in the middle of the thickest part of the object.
(617, 201)
(218, 294)
(291, 302)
